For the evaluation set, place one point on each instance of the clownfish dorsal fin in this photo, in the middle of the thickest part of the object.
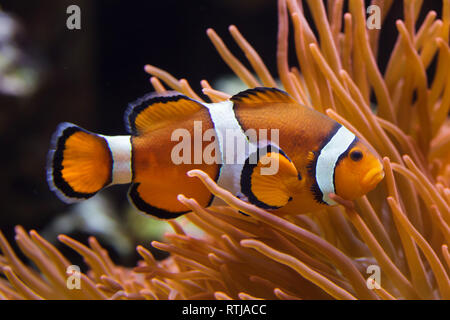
(261, 96)
(270, 186)
(154, 111)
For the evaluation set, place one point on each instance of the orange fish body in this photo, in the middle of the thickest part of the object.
(260, 145)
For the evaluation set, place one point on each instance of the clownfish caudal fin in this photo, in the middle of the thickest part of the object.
(80, 163)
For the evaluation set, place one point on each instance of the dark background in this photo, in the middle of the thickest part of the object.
(89, 76)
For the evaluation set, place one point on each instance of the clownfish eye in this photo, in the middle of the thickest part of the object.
(356, 155)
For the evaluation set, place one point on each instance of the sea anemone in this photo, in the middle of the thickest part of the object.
(401, 228)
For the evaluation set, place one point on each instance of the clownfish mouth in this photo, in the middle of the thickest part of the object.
(372, 178)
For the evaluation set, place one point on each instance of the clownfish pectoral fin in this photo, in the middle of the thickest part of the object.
(155, 110)
(272, 181)
(261, 96)
(79, 163)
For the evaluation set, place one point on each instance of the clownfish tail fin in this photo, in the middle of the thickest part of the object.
(79, 163)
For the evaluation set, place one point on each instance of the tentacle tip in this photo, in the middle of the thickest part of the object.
(18, 228)
(147, 68)
(344, 202)
(406, 157)
(329, 110)
(92, 239)
(6, 269)
(193, 173)
(154, 243)
(440, 42)
(343, 73)
(391, 200)
(244, 242)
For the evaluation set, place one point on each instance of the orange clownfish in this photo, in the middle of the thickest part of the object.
(311, 155)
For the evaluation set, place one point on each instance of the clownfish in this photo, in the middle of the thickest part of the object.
(313, 155)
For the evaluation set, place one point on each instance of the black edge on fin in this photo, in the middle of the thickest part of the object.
(247, 170)
(54, 167)
(243, 213)
(145, 207)
(263, 94)
(136, 107)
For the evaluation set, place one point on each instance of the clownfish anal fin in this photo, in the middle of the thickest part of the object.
(261, 96)
(155, 193)
(154, 111)
(271, 182)
(142, 198)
